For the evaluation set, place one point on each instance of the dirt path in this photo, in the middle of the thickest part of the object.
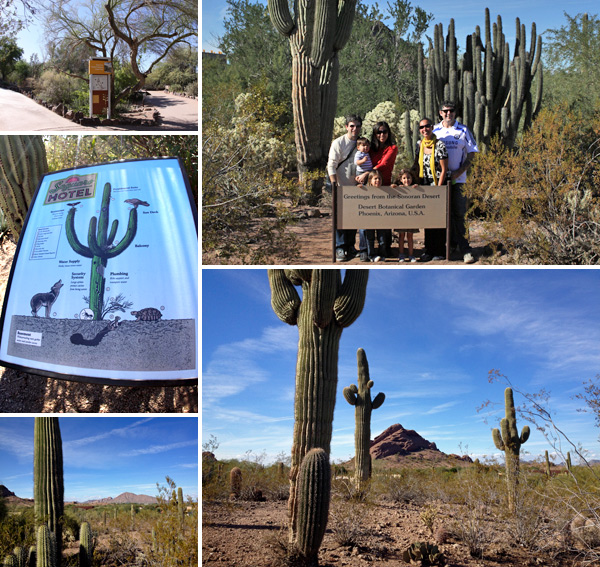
(177, 112)
(315, 240)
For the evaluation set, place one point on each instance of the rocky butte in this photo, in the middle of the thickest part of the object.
(398, 445)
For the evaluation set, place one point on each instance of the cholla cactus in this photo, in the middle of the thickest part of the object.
(509, 441)
(360, 398)
(328, 305)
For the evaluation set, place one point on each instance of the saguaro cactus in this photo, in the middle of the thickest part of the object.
(314, 490)
(48, 484)
(509, 441)
(360, 398)
(86, 545)
(490, 91)
(317, 31)
(235, 480)
(100, 246)
(22, 164)
(45, 554)
(326, 308)
(547, 458)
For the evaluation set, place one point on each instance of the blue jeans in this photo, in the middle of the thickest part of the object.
(345, 239)
(458, 213)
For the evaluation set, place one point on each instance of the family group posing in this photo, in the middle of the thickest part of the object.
(444, 154)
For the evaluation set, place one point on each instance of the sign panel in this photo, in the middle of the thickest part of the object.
(104, 283)
(99, 67)
(423, 206)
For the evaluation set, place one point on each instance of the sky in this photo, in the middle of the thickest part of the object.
(431, 337)
(547, 14)
(106, 456)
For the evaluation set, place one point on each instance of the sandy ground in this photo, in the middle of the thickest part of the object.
(315, 237)
(249, 534)
(21, 392)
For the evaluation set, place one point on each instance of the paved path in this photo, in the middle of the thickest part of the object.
(178, 113)
(20, 113)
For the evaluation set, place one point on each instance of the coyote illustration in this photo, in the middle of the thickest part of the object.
(45, 299)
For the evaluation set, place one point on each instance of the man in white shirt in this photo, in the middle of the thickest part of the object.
(342, 170)
(461, 146)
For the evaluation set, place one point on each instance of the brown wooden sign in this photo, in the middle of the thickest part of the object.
(423, 206)
(362, 207)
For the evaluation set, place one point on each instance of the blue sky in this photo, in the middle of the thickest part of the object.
(547, 14)
(105, 456)
(431, 336)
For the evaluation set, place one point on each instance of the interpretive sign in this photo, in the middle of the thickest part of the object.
(104, 283)
(399, 207)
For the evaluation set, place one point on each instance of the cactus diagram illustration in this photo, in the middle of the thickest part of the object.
(100, 246)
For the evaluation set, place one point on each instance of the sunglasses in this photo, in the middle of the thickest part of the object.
(352, 126)
(423, 126)
(447, 110)
(382, 132)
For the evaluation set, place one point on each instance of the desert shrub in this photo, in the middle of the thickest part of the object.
(56, 88)
(16, 530)
(346, 523)
(244, 189)
(70, 528)
(408, 486)
(540, 200)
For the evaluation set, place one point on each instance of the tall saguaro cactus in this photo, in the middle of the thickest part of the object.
(317, 31)
(22, 164)
(360, 398)
(490, 91)
(509, 441)
(86, 545)
(48, 484)
(100, 246)
(328, 305)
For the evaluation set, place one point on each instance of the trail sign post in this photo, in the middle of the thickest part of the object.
(104, 283)
(100, 71)
(362, 207)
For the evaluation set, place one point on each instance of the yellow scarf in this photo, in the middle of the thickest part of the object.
(428, 144)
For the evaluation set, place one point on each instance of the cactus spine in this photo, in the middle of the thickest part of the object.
(86, 545)
(360, 398)
(45, 553)
(22, 164)
(492, 93)
(48, 484)
(235, 479)
(317, 32)
(509, 441)
(314, 489)
(328, 305)
(100, 246)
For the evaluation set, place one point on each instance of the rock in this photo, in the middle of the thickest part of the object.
(396, 440)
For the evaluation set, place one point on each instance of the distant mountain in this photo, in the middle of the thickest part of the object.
(124, 498)
(12, 498)
(398, 446)
(4, 492)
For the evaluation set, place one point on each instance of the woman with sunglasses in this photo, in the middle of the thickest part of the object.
(383, 154)
(431, 161)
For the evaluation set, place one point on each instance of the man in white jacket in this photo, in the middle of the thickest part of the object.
(341, 170)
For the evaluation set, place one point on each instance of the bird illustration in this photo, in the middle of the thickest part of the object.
(73, 204)
(137, 202)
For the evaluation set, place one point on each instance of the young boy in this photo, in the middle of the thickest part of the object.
(362, 159)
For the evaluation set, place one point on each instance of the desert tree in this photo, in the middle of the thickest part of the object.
(147, 31)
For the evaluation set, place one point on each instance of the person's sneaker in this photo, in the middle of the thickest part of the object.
(468, 258)
(375, 258)
(411, 259)
(364, 257)
(340, 255)
(402, 258)
(438, 258)
(425, 257)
